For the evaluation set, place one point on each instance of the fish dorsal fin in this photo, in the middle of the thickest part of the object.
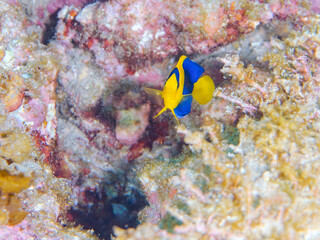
(203, 90)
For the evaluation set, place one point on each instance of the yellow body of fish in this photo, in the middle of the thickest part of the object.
(183, 84)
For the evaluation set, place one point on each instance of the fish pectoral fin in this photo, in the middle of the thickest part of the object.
(153, 91)
(203, 90)
(155, 95)
(162, 110)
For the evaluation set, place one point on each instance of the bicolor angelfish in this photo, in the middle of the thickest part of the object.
(184, 84)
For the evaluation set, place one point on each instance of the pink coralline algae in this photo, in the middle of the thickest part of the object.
(27, 131)
(28, 78)
(315, 6)
(124, 36)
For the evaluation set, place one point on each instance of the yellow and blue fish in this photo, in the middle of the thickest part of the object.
(184, 84)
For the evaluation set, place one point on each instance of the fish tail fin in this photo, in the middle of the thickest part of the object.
(175, 116)
(203, 90)
(162, 110)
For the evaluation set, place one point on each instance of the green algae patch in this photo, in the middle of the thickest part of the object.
(183, 206)
(231, 134)
(169, 222)
(202, 183)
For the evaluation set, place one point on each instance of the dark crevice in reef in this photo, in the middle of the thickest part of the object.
(50, 28)
(116, 202)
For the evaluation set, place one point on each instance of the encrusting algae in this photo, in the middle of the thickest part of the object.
(15, 147)
(11, 211)
(31, 197)
(13, 183)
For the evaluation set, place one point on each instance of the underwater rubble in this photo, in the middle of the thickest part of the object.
(82, 156)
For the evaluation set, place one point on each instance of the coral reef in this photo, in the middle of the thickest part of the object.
(82, 158)
(123, 45)
(31, 197)
(257, 179)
